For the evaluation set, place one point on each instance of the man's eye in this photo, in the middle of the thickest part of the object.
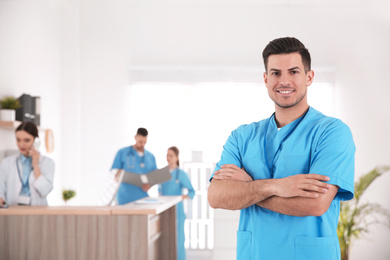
(294, 72)
(275, 73)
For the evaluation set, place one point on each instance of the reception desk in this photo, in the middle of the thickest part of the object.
(131, 231)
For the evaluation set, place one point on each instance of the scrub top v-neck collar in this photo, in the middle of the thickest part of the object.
(274, 139)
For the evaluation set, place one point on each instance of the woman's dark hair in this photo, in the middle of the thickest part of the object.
(29, 127)
(176, 151)
(287, 45)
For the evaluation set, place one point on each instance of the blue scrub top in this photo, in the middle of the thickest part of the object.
(128, 159)
(311, 144)
(175, 186)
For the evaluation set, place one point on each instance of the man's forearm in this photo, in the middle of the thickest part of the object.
(234, 195)
(296, 206)
(299, 206)
(228, 190)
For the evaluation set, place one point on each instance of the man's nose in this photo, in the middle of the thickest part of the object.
(285, 80)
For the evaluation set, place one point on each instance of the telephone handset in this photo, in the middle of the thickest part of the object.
(37, 143)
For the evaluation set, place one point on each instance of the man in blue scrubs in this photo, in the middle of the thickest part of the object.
(135, 159)
(287, 173)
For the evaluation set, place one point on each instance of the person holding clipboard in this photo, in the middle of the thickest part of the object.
(135, 159)
(175, 186)
(26, 178)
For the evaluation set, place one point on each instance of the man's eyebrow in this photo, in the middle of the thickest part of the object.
(295, 68)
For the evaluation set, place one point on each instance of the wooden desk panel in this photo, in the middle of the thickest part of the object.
(88, 236)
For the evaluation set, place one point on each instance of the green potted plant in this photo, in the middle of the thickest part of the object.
(68, 194)
(354, 214)
(8, 105)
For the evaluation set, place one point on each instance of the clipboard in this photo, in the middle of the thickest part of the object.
(151, 178)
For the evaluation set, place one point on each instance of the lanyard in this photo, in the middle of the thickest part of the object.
(177, 175)
(270, 167)
(24, 183)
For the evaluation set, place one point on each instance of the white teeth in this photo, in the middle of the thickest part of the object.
(285, 91)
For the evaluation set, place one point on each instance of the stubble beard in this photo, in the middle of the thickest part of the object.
(297, 101)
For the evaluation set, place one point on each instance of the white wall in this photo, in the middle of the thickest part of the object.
(70, 99)
(76, 55)
(30, 63)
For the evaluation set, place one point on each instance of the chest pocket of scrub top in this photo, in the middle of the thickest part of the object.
(318, 248)
(244, 245)
(292, 165)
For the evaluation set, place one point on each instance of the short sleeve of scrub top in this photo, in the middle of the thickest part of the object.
(118, 161)
(153, 161)
(334, 157)
(230, 153)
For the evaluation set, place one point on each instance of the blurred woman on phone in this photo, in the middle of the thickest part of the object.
(26, 178)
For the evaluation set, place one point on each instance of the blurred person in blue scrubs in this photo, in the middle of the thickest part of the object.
(175, 186)
(288, 173)
(135, 159)
(26, 178)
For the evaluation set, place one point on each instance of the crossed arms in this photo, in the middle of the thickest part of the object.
(298, 195)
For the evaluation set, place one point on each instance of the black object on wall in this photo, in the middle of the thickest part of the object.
(30, 110)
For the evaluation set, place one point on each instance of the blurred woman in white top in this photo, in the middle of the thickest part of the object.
(26, 178)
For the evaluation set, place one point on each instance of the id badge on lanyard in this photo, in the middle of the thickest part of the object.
(23, 199)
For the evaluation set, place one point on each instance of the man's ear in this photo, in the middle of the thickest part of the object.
(265, 77)
(309, 77)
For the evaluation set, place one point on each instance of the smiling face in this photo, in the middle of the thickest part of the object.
(287, 81)
(24, 142)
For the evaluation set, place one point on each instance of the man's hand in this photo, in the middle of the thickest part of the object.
(2, 201)
(232, 172)
(302, 185)
(145, 187)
